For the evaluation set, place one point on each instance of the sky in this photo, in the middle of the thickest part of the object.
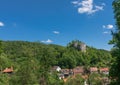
(58, 21)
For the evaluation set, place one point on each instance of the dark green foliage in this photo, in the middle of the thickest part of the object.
(1, 47)
(4, 79)
(115, 69)
(54, 80)
(65, 57)
(77, 80)
(95, 79)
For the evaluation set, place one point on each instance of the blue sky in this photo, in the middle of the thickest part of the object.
(58, 21)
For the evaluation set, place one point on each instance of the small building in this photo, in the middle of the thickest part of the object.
(8, 70)
(93, 70)
(65, 72)
(78, 70)
(104, 70)
(61, 76)
(56, 68)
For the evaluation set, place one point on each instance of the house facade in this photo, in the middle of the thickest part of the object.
(104, 70)
(78, 70)
(93, 70)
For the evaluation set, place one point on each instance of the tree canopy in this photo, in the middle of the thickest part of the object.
(115, 70)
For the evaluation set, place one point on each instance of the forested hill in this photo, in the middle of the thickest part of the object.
(65, 57)
(32, 61)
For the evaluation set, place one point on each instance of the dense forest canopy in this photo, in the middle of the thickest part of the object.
(61, 56)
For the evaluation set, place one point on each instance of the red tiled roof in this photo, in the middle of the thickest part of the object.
(78, 70)
(104, 69)
(8, 70)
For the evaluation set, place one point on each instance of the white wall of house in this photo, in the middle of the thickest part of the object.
(58, 69)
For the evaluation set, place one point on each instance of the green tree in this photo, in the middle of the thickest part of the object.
(1, 47)
(5, 62)
(26, 74)
(115, 70)
(4, 79)
(77, 80)
(95, 79)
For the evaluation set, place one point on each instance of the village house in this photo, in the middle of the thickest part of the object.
(56, 68)
(8, 70)
(61, 76)
(65, 72)
(78, 70)
(104, 70)
(93, 70)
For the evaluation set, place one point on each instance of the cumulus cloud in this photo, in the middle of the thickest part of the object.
(1, 24)
(47, 41)
(56, 32)
(87, 6)
(109, 26)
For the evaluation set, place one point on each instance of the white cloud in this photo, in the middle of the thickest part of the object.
(1, 24)
(87, 6)
(109, 26)
(47, 41)
(99, 8)
(106, 32)
(56, 32)
(75, 2)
